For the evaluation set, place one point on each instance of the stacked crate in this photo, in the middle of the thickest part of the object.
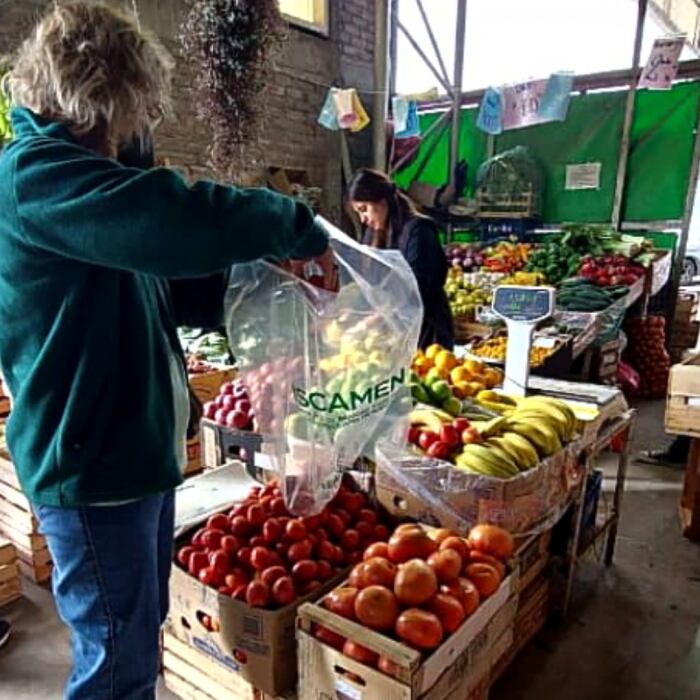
(18, 524)
(685, 329)
(10, 582)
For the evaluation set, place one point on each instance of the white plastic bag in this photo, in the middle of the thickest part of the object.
(326, 373)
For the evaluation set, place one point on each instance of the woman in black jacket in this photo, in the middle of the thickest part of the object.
(390, 220)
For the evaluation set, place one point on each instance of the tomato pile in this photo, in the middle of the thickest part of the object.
(232, 407)
(647, 353)
(418, 588)
(610, 270)
(259, 554)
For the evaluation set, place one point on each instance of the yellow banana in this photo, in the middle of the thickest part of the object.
(487, 461)
(522, 452)
(539, 439)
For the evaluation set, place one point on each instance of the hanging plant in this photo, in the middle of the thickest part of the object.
(230, 44)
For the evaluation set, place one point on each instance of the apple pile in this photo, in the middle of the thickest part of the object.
(418, 588)
(232, 407)
(258, 553)
(445, 442)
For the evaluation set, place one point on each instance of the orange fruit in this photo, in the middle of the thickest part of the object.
(461, 390)
(422, 365)
(474, 366)
(432, 350)
(460, 374)
(492, 378)
(446, 360)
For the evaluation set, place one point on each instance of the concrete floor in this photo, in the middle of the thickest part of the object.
(633, 632)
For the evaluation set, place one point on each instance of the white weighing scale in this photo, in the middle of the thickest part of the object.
(522, 308)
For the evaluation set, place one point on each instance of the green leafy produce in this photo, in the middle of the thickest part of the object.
(5, 127)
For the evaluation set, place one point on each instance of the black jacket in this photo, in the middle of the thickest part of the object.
(419, 243)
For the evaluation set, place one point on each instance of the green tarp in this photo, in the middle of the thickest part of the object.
(659, 161)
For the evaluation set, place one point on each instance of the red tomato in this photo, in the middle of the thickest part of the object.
(364, 530)
(325, 570)
(278, 508)
(272, 531)
(238, 510)
(381, 532)
(197, 538)
(239, 525)
(256, 515)
(183, 555)
(272, 574)
(260, 558)
(326, 636)
(368, 516)
(235, 579)
(386, 665)
(283, 591)
(312, 522)
(225, 590)
(449, 610)
(447, 565)
(258, 541)
(305, 570)
(212, 538)
(197, 562)
(220, 561)
(309, 586)
(376, 607)
(335, 525)
(300, 550)
(341, 601)
(296, 530)
(350, 540)
(218, 522)
(243, 556)
(378, 571)
(419, 629)
(326, 550)
(353, 557)
(266, 504)
(282, 548)
(258, 594)
(241, 592)
(321, 534)
(377, 549)
(344, 516)
(208, 576)
(229, 544)
(359, 653)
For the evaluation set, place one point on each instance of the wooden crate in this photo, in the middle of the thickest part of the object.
(451, 672)
(206, 386)
(18, 524)
(683, 402)
(194, 676)
(10, 582)
(194, 457)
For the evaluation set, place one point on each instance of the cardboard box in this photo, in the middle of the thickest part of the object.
(683, 403)
(194, 456)
(221, 444)
(532, 557)
(193, 675)
(206, 386)
(256, 644)
(451, 672)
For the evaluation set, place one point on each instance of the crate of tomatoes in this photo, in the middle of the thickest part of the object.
(240, 577)
(424, 615)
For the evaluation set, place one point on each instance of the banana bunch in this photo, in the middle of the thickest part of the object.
(495, 401)
(429, 418)
(537, 428)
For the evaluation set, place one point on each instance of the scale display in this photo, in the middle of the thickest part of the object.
(524, 304)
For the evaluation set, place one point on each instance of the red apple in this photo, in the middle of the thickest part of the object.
(228, 402)
(238, 420)
(461, 424)
(226, 388)
(439, 450)
(413, 435)
(240, 392)
(450, 435)
(243, 405)
(209, 409)
(220, 416)
(427, 438)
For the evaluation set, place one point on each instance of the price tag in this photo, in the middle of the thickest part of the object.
(523, 304)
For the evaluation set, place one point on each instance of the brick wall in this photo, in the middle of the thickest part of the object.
(290, 138)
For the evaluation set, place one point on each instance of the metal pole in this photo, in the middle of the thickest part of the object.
(457, 88)
(436, 48)
(677, 268)
(381, 83)
(437, 123)
(629, 115)
(446, 86)
(393, 45)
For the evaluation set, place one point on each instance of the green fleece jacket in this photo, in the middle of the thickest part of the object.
(86, 326)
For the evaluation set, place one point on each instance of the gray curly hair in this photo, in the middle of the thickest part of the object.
(92, 68)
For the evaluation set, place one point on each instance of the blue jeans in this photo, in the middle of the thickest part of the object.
(110, 580)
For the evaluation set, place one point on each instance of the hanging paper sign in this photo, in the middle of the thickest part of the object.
(412, 127)
(583, 176)
(399, 111)
(662, 66)
(489, 118)
(327, 117)
(345, 108)
(521, 103)
(359, 109)
(554, 105)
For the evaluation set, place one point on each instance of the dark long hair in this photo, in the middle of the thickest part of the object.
(374, 186)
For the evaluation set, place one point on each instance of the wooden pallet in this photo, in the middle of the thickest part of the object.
(19, 526)
(10, 582)
(192, 675)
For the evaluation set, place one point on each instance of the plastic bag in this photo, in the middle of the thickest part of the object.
(326, 373)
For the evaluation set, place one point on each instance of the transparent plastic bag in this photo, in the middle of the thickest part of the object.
(327, 373)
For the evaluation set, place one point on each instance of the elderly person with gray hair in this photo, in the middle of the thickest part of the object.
(88, 345)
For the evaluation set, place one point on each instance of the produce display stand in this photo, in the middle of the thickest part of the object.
(618, 430)
(683, 418)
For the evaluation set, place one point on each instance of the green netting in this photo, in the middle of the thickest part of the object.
(590, 134)
(659, 163)
(472, 148)
(661, 152)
